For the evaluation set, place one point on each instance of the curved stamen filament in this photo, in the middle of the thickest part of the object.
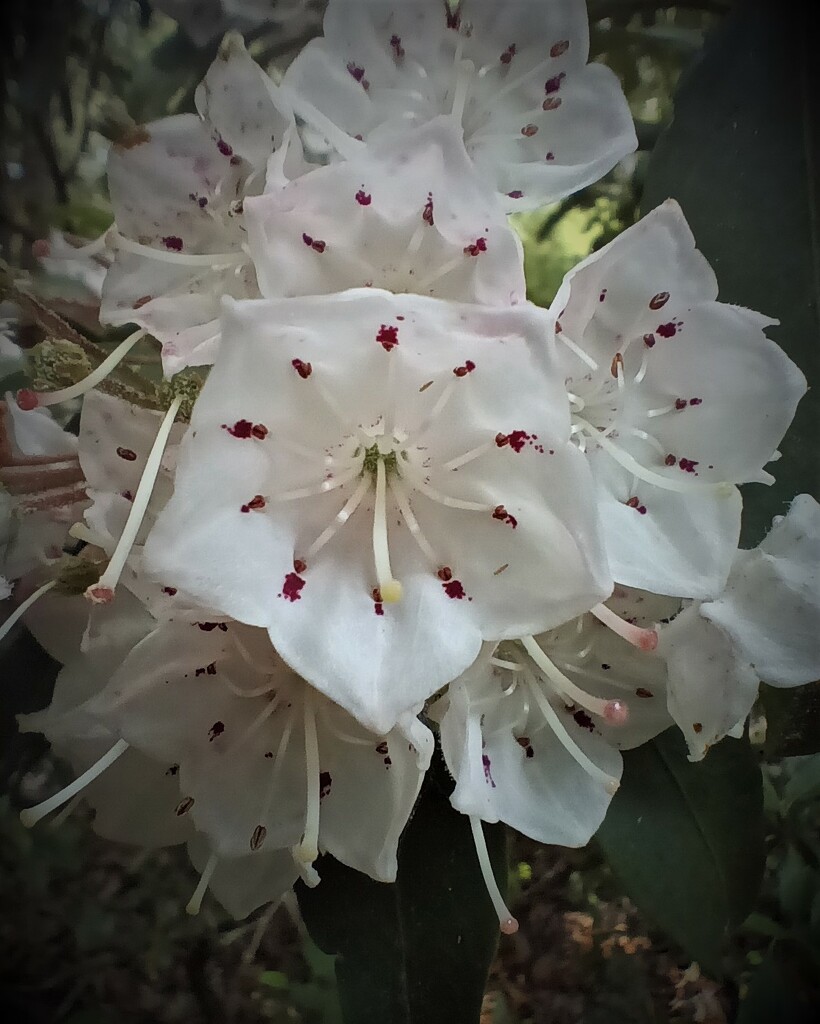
(24, 606)
(406, 471)
(97, 375)
(338, 733)
(642, 434)
(510, 666)
(474, 453)
(411, 522)
(31, 815)
(256, 691)
(340, 518)
(609, 782)
(345, 144)
(277, 767)
(578, 351)
(389, 587)
(184, 259)
(103, 590)
(442, 271)
(308, 849)
(258, 722)
(613, 711)
(639, 376)
(195, 902)
(662, 411)
(643, 639)
(666, 483)
(506, 922)
(324, 487)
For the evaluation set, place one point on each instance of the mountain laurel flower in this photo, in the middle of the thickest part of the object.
(762, 627)
(178, 187)
(382, 482)
(408, 214)
(676, 398)
(537, 120)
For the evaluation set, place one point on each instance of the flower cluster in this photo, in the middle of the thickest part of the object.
(405, 502)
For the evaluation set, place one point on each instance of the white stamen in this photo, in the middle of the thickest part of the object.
(642, 434)
(649, 476)
(80, 531)
(639, 376)
(605, 709)
(442, 271)
(31, 815)
(510, 666)
(408, 472)
(195, 902)
(411, 522)
(22, 608)
(346, 145)
(662, 411)
(533, 72)
(440, 402)
(578, 351)
(609, 782)
(577, 403)
(345, 737)
(211, 260)
(643, 639)
(103, 590)
(464, 75)
(93, 379)
(462, 460)
(258, 722)
(324, 487)
(340, 518)
(389, 587)
(308, 849)
(277, 767)
(506, 922)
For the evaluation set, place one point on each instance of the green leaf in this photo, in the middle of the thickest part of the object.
(737, 157)
(792, 720)
(784, 988)
(686, 839)
(417, 951)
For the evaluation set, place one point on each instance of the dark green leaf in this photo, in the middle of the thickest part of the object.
(792, 720)
(417, 951)
(784, 988)
(686, 839)
(738, 157)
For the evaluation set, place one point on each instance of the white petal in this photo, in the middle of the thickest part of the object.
(241, 884)
(771, 605)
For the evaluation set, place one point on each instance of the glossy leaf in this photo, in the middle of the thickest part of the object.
(686, 839)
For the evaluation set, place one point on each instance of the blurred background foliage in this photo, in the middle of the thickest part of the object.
(92, 933)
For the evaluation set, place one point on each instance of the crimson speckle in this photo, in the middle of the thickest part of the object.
(319, 245)
(659, 300)
(216, 730)
(378, 605)
(325, 782)
(453, 17)
(224, 148)
(241, 429)
(602, 296)
(388, 337)
(501, 513)
(524, 742)
(649, 340)
(173, 770)
(172, 242)
(303, 369)
(357, 72)
(170, 591)
(554, 84)
(507, 56)
(696, 401)
(583, 719)
(454, 589)
(641, 692)
(680, 403)
(668, 330)
(559, 48)
(670, 460)
(462, 371)
(529, 130)
(516, 439)
(292, 587)
(476, 247)
(445, 573)
(516, 194)
(488, 775)
(551, 103)
(381, 748)
(259, 431)
(550, 156)
(697, 727)
(127, 454)
(396, 47)
(299, 565)
(688, 465)
(256, 503)
(363, 198)
(208, 627)
(427, 212)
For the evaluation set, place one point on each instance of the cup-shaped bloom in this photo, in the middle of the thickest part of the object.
(264, 761)
(676, 398)
(408, 214)
(177, 187)
(537, 120)
(378, 481)
(762, 627)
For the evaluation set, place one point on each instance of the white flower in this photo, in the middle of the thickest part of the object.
(177, 187)
(382, 482)
(676, 398)
(263, 760)
(538, 121)
(407, 215)
(763, 626)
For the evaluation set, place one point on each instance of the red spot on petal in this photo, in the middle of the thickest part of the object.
(516, 194)
(363, 198)
(318, 245)
(143, 300)
(325, 782)
(357, 71)
(516, 439)
(241, 429)
(292, 587)
(507, 56)
(670, 460)
(649, 340)
(501, 513)
(602, 296)
(696, 401)
(641, 692)
(557, 49)
(306, 238)
(427, 212)
(583, 719)
(256, 503)
(170, 591)
(172, 242)
(688, 465)
(303, 369)
(223, 147)
(259, 431)
(127, 454)
(680, 403)
(216, 730)
(388, 337)
(462, 371)
(659, 301)
(554, 84)
(550, 156)
(476, 247)
(668, 330)
(529, 130)
(445, 573)
(454, 589)
(396, 47)
(378, 606)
